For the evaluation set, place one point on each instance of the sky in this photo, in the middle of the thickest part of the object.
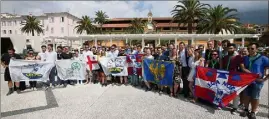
(115, 9)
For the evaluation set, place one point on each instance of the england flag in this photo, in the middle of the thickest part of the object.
(92, 62)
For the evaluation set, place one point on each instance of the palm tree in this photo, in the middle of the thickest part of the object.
(31, 25)
(101, 18)
(219, 19)
(85, 24)
(137, 26)
(187, 11)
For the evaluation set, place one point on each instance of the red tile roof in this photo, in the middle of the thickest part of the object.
(116, 25)
(145, 18)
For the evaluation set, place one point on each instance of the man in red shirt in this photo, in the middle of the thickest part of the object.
(232, 62)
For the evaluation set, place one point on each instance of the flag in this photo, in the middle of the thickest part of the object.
(115, 66)
(130, 60)
(71, 69)
(92, 62)
(159, 72)
(220, 87)
(134, 62)
(138, 64)
(25, 70)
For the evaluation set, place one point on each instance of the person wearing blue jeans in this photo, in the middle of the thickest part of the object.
(254, 63)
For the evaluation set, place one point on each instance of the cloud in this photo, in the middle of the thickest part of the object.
(115, 8)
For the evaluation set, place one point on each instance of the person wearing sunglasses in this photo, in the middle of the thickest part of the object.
(210, 48)
(31, 56)
(81, 51)
(214, 62)
(255, 63)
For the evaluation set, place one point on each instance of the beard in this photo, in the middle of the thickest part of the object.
(230, 52)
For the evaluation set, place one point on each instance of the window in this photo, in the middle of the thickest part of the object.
(51, 20)
(51, 30)
(43, 22)
(3, 23)
(9, 23)
(62, 29)
(10, 32)
(183, 28)
(117, 29)
(27, 40)
(62, 19)
(4, 32)
(166, 28)
(47, 29)
(29, 47)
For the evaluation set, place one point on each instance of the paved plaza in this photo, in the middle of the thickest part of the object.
(112, 102)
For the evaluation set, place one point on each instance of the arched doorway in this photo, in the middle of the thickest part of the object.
(5, 44)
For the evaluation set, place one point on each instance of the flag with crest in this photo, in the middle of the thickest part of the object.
(219, 86)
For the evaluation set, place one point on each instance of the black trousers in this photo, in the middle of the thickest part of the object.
(184, 76)
(32, 84)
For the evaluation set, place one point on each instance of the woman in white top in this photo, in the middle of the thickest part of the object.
(195, 59)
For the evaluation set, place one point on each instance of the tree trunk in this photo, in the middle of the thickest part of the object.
(101, 26)
(33, 33)
(190, 32)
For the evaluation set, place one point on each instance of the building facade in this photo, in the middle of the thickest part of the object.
(53, 24)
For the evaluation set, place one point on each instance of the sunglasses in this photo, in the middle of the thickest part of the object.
(250, 48)
(214, 54)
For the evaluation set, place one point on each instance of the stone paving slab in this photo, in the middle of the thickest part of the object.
(112, 102)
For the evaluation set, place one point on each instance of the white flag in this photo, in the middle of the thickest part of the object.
(115, 66)
(71, 69)
(29, 70)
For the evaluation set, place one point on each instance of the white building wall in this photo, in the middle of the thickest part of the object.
(19, 39)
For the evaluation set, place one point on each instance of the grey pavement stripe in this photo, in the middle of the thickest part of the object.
(51, 103)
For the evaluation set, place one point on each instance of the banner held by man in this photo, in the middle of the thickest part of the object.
(159, 72)
(25, 70)
(71, 69)
(220, 87)
(114, 66)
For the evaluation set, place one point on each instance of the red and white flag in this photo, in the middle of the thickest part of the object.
(219, 86)
(92, 62)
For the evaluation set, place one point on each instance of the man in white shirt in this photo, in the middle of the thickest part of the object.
(113, 53)
(183, 58)
(51, 57)
(42, 55)
(86, 53)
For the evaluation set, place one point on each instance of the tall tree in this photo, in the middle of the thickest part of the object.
(101, 18)
(31, 25)
(219, 19)
(137, 26)
(85, 24)
(187, 11)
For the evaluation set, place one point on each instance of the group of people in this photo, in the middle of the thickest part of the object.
(186, 59)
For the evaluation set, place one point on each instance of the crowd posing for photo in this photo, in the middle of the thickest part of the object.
(186, 59)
